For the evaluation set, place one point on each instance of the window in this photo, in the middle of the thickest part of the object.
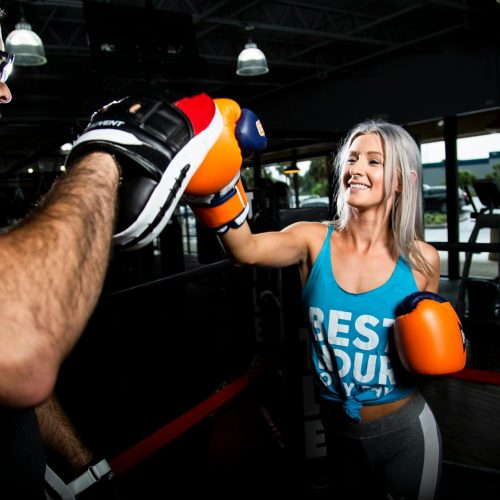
(478, 158)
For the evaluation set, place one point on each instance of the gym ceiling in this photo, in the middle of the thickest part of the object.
(332, 63)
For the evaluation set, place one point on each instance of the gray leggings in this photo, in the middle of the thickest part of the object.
(394, 457)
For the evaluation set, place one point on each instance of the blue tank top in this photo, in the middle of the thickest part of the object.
(350, 336)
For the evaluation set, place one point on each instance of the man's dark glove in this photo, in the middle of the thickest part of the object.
(159, 141)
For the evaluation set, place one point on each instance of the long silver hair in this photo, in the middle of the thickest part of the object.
(402, 162)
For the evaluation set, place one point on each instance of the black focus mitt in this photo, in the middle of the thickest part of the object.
(159, 142)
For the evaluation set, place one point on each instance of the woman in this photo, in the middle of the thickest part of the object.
(382, 437)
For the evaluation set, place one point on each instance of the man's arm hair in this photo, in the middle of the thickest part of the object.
(52, 267)
(60, 436)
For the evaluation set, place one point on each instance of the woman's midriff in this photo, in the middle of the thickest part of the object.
(372, 412)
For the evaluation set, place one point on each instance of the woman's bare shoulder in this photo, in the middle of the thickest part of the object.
(312, 236)
(310, 233)
(429, 252)
(429, 280)
(308, 228)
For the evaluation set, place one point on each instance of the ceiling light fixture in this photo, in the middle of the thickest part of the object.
(25, 44)
(251, 61)
(292, 168)
(65, 148)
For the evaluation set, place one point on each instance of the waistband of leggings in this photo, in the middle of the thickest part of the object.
(391, 422)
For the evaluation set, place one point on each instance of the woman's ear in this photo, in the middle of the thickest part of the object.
(398, 187)
(413, 178)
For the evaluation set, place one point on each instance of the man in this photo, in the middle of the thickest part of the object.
(52, 268)
(53, 263)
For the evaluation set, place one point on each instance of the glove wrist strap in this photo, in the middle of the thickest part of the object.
(230, 210)
(70, 491)
(93, 474)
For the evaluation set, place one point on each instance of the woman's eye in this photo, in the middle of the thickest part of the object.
(351, 160)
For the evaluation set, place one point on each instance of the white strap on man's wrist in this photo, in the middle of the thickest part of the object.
(69, 491)
(93, 474)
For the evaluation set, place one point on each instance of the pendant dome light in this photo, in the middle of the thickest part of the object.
(25, 44)
(251, 61)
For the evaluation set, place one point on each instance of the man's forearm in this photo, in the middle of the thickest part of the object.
(52, 268)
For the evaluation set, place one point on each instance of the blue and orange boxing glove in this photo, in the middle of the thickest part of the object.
(215, 193)
(428, 335)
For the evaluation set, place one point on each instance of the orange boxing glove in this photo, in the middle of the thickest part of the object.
(428, 335)
(215, 193)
